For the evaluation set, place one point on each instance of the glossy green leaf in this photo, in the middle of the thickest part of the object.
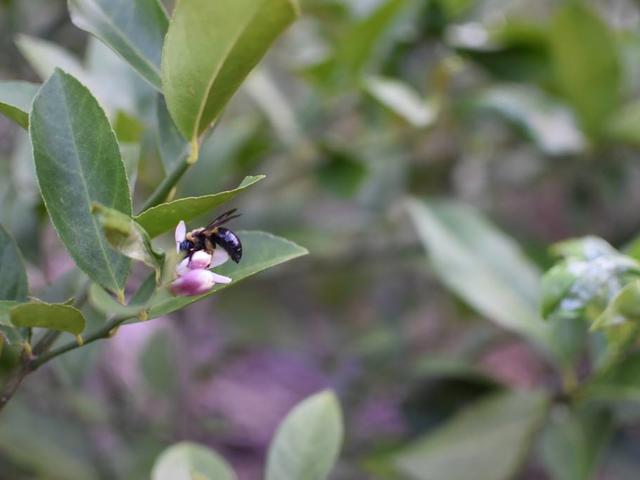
(490, 438)
(402, 100)
(166, 216)
(15, 100)
(134, 29)
(172, 146)
(13, 276)
(586, 64)
(482, 265)
(190, 461)
(209, 50)
(126, 236)
(260, 252)
(54, 316)
(78, 163)
(307, 442)
(574, 440)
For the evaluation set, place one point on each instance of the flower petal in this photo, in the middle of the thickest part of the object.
(181, 234)
(200, 259)
(221, 278)
(194, 282)
(220, 256)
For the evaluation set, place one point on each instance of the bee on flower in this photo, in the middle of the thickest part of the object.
(204, 248)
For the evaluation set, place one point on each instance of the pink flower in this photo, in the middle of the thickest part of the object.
(197, 282)
(199, 260)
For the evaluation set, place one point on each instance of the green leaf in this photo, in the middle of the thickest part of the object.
(135, 30)
(128, 237)
(260, 252)
(104, 303)
(587, 65)
(172, 146)
(358, 45)
(15, 100)
(482, 265)
(54, 316)
(625, 307)
(307, 442)
(402, 100)
(625, 124)
(620, 382)
(574, 440)
(78, 163)
(13, 276)
(209, 50)
(190, 461)
(490, 438)
(341, 173)
(164, 217)
(556, 284)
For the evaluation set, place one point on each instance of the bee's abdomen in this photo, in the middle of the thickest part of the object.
(230, 242)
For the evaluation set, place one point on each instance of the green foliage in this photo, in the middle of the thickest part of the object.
(210, 49)
(60, 317)
(13, 277)
(164, 217)
(586, 63)
(470, 442)
(135, 30)
(308, 441)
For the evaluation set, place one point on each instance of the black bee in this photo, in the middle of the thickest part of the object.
(207, 238)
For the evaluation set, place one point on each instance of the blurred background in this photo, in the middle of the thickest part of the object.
(527, 115)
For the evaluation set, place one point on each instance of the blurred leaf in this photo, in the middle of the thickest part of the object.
(620, 382)
(209, 50)
(130, 153)
(190, 461)
(127, 237)
(157, 365)
(307, 442)
(172, 146)
(260, 252)
(15, 100)
(135, 30)
(482, 265)
(556, 284)
(441, 391)
(164, 217)
(515, 52)
(504, 423)
(573, 441)
(586, 65)
(341, 173)
(60, 317)
(549, 125)
(624, 307)
(78, 163)
(44, 57)
(128, 129)
(5, 307)
(13, 276)
(47, 446)
(402, 100)
(359, 43)
(625, 124)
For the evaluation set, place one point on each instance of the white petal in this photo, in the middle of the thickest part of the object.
(183, 267)
(200, 259)
(181, 234)
(220, 278)
(220, 256)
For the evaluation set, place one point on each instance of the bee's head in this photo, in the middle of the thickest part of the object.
(185, 246)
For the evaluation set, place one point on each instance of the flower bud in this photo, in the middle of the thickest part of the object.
(199, 260)
(194, 282)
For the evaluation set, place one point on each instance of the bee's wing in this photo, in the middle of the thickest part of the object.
(181, 234)
(222, 219)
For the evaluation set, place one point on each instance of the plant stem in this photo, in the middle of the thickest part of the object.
(170, 181)
(105, 332)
